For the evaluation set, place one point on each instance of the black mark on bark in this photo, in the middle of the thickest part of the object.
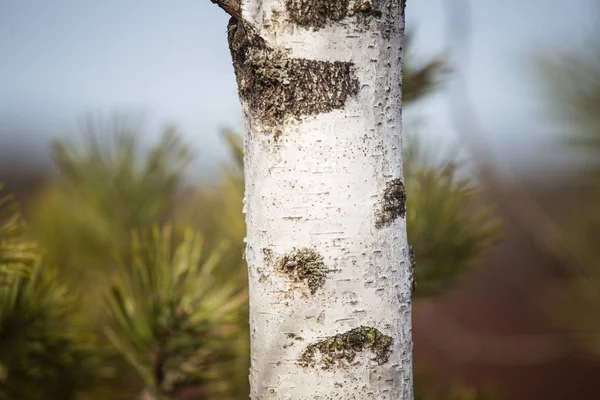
(412, 265)
(392, 205)
(295, 337)
(340, 350)
(268, 256)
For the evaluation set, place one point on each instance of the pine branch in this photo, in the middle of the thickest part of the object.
(231, 7)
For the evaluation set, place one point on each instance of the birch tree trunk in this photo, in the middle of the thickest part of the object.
(329, 267)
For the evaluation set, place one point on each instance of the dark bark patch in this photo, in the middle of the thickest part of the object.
(316, 13)
(277, 86)
(340, 350)
(268, 256)
(392, 205)
(295, 337)
(304, 266)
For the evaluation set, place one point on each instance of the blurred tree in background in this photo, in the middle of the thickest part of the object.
(570, 81)
(132, 282)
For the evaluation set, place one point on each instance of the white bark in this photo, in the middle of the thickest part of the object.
(320, 186)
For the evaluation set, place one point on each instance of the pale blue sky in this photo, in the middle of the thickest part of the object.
(62, 58)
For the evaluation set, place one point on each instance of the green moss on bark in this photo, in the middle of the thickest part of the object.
(340, 350)
(304, 266)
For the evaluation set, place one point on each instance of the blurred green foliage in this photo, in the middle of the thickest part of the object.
(16, 253)
(43, 353)
(420, 81)
(448, 223)
(172, 321)
(85, 222)
(142, 296)
(217, 211)
(109, 185)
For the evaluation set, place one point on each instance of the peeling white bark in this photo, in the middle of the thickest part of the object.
(319, 186)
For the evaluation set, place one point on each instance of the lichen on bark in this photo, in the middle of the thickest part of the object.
(393, 204)
(366, 8)
(277, 86)
(316, 13)
(304, 266)
(340, 350)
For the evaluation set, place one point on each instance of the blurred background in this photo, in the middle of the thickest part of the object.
(121, 270)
